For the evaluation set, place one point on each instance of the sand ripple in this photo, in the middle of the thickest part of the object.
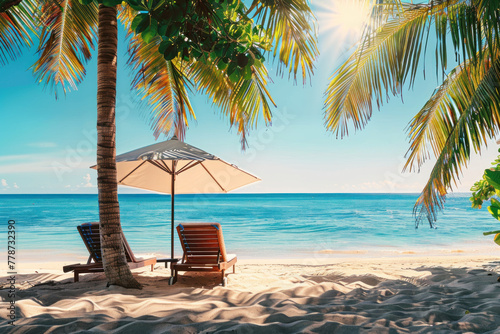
(267, 299)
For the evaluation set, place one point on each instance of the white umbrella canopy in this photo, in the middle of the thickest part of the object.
(191, 176)
(174, 167)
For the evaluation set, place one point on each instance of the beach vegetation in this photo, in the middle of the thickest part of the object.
(462, 114)
(488, 189)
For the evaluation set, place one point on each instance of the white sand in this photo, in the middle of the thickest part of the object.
(403, 294)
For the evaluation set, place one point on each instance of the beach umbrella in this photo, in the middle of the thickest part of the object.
(174, 167)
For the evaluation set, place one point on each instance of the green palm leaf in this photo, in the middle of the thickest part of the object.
(165, 84)
(430, 128)
(67, 37)
(471, 100)
(291, 26)
(16, 25)
(461, 114)
(161, 83)
(379, 67)
(242, 102)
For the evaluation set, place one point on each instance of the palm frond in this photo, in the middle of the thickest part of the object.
(67, 37)
(17, 25)
(430, 128)
(163, 84)
(382, 11)
(242, 101)
(472, 103)
(374, 70)
(292, 29)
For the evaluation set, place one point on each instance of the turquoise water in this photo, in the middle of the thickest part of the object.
(254, 225)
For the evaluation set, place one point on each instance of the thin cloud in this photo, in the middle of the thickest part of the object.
(87, 183)
(25, 163)
(15, 157)
(27, 167)
(43, 144)
(13, 164)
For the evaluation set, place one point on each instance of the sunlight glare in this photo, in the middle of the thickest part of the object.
(350, 16)
(344, 19)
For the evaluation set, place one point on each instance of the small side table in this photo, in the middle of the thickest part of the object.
(172, 279)
(168, 261)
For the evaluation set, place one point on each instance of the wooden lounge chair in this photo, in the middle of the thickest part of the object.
(92, 240)
(204, 250)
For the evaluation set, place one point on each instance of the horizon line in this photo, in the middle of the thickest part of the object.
(237, 193)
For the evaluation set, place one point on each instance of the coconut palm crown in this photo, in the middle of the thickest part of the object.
(216, 47)
(463, 112)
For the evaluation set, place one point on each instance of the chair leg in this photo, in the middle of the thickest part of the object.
(173, 279)
(234, 269)
(224, 278)
(75, 276)
(152, 267)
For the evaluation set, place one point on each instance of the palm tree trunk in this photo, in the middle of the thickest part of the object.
(114, 261)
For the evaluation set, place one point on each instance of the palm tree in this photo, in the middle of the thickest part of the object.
(234, 80)
(114, 261)
(164, 75)
(463, 112)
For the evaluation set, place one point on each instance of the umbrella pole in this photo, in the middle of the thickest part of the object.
(172, 220)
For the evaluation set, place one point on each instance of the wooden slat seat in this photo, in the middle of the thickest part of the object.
(203, 249)
(91, 237)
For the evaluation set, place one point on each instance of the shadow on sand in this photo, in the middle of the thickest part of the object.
(448, 300)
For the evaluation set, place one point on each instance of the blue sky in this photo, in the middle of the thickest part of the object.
(48, 144)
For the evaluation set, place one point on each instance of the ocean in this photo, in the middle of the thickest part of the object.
(256, 225)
